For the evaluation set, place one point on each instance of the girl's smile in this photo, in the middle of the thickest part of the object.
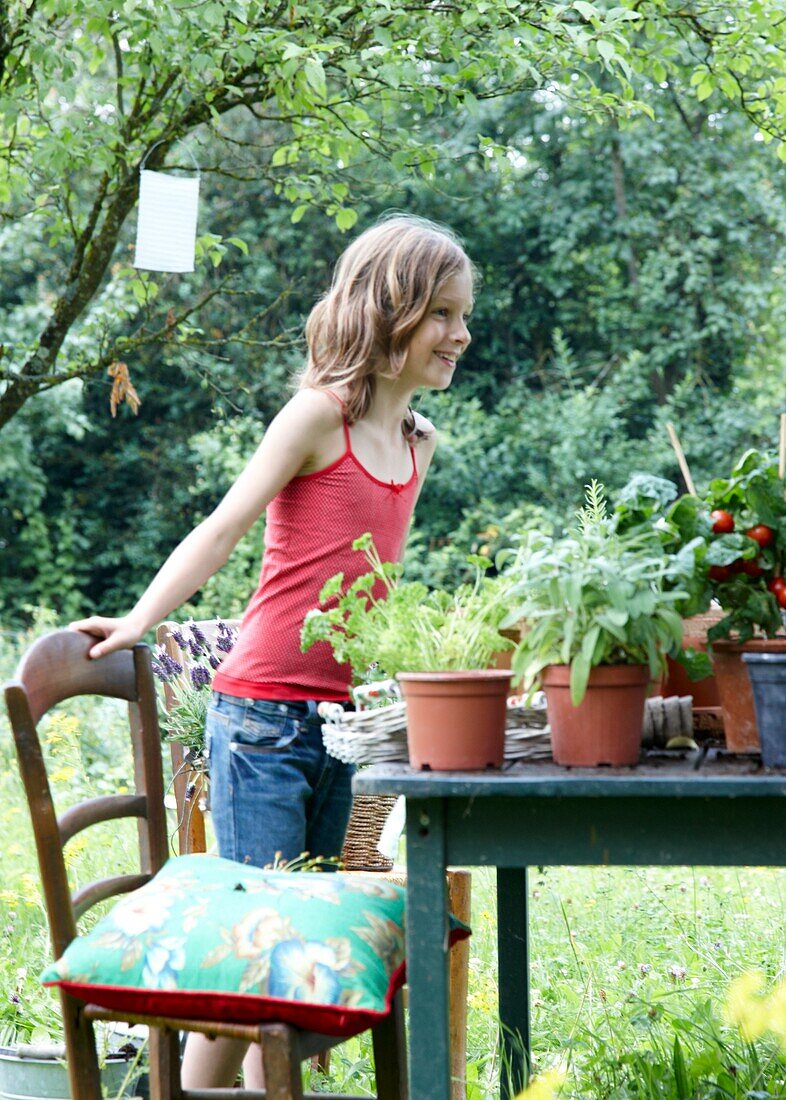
(442, 336)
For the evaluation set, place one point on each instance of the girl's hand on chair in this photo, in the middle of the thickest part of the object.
(116, 633)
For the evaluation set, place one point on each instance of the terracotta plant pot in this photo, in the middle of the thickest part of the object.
(694, 636)
(605, 728)
(456, 720)
(739, 714)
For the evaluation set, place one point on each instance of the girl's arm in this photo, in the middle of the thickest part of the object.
(300, 433)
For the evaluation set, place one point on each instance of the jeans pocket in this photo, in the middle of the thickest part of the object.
(259, 734)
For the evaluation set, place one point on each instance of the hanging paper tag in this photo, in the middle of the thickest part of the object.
(166, 229)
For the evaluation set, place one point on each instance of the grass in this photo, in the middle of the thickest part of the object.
(630, 966)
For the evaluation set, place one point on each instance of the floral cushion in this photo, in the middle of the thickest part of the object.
(212, 939)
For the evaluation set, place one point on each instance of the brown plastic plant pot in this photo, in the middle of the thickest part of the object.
(736, 697)
(456, 720)
(605, 728)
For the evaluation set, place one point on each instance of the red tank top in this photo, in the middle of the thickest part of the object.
(309, 531)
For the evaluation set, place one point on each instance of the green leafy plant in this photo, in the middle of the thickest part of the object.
(744, 563)
(381, 625)
(602, 594)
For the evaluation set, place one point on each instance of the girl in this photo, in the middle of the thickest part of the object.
(345, 455)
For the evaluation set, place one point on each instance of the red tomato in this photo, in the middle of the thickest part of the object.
(750, 567)
(720, 573)
(722, 521)
(761, 533)
(778, 588)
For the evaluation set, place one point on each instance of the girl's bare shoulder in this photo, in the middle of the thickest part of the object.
(314, 409)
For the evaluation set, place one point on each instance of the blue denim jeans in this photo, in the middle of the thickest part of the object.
(273, 788)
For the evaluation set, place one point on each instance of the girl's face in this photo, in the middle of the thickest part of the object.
(441, 337)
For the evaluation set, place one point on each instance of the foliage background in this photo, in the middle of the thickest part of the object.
(625, 212)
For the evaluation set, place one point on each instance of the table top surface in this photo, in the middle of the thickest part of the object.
(700, 774)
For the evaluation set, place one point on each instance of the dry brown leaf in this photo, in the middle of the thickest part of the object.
(122, 388)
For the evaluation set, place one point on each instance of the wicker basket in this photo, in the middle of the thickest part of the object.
(380, 736)
(369, 814)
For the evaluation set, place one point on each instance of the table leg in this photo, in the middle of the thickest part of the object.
(427, 951)
(513, 954)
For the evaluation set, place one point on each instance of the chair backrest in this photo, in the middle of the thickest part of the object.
(56, 668)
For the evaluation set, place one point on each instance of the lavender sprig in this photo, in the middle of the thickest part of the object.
(165, 667)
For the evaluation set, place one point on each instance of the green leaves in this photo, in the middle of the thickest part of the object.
(601, 595)
(379, 620)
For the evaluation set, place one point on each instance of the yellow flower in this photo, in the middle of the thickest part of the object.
(776, 1013)
(745, 1008)
(544, 1087)
(64, 774)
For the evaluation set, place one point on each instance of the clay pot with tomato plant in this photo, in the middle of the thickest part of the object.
(745, 565)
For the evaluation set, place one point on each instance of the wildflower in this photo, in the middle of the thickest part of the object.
(644, 969)
(543, 1087)
(745, 1009)
(214, 661)
(677, 973)
(621, 964)
(104, 111)
(776, 1013)
(196, 633)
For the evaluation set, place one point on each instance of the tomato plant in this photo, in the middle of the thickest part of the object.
(746, 550)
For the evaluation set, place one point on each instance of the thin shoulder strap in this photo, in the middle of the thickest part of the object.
(343, 405)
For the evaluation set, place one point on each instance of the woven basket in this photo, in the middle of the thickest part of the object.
(380, 736)
(369, 814)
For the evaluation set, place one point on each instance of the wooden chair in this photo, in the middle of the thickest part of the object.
(55, 668)
(189, 796)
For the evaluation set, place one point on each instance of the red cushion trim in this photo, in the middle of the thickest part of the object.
(241, 1008)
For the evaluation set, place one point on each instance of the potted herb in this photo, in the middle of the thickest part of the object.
(438, 644)
(600, 611)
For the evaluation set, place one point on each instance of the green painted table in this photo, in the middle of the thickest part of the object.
(705, 808)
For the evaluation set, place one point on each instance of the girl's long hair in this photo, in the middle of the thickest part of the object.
(381, 290)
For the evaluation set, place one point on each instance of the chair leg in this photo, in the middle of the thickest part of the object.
(83, 1073)
(390, 1054)
(321, 1062)
(459, 903)
(164, 1052)
(283, 1078)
